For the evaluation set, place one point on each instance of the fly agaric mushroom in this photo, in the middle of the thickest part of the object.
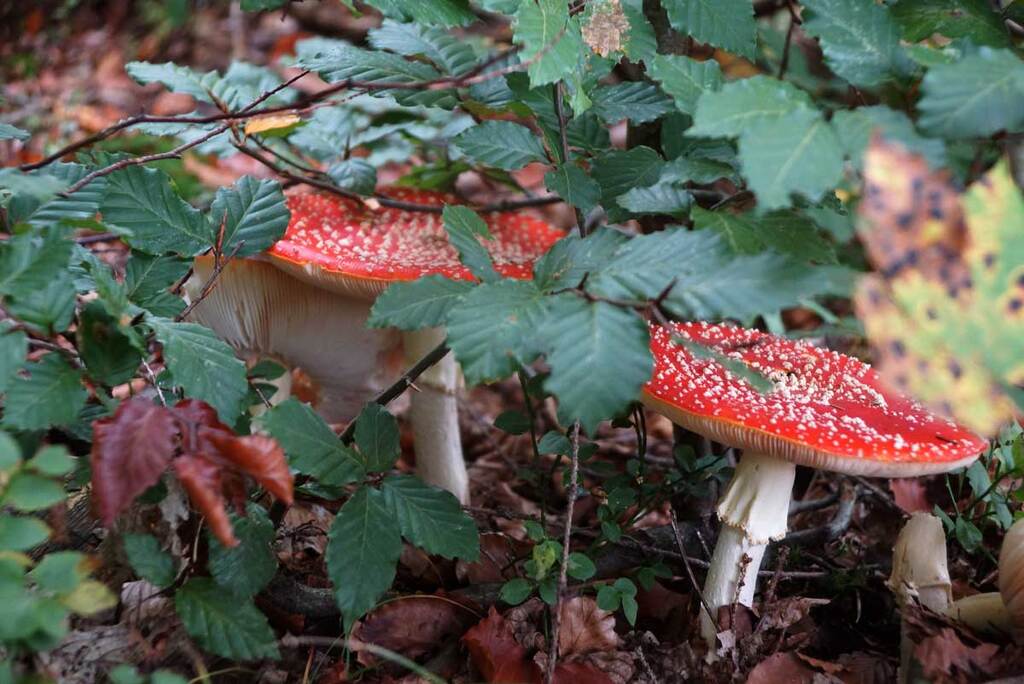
(826, 410)
(357, 251)
(320, 336)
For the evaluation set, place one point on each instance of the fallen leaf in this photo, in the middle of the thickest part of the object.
(585, 628)
(130, 450)
(498, 553)
(412, 626)
(604, 30)
(782, 668)
(786, 612)
(496, 654)
(944, 654)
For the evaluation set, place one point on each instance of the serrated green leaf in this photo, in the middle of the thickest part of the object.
(551, 40)
(21, 533)
(110, 356)
(431, 518)
(619, 171)
(465, 228)
(860, 40)
(141, 200)
(247, 568)
(732, 109)
(223, 623)
(9, 132)
(728, 24)
(13, 348)
(422, 303)
(641, 43)
(148, 560)
(637, 101)
(252, 214)
(80, 205)
(147, 279)
(204, 366)
(357, 175)
(599, 356)
(975, 20)
(442, 12)
(572, 258)
(52, 394)
(347, 63)
(39, 187)
(29, 260)
(376, 435)
(977, 96)
(178, 79)
(312, 447)
(573, 185)
(797, 153)
(664, 197)
(855, 127)
(362, 553)
(685, 79)
(698, 170)
(30, 492)
(48, 309)
(501, 144)
(493, 329)
(452, 55)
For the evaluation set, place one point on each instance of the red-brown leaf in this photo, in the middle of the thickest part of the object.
(496, 654)
(129, 452)
(201, 479)
(258, 456)
(412, 626)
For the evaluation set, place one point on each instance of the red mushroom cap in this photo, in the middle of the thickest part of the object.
(344, 245)
(827, 410)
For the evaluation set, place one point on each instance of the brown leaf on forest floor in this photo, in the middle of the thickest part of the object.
(130, 450)
(785, 667)
(786, 612)
(496, 654)
(585, 628)
(412, 626)
(944, 656)
(498, 554)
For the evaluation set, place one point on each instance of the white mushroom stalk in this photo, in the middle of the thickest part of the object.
(434, 414)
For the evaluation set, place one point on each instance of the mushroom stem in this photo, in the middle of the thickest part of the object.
(433, 412)
(753, 512)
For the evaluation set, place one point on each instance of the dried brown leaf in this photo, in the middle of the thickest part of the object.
(945, 655)
(258, 456)
(202, 480)
(782, 667)
(496, 654)
(606, 27)
(412, 626)
(585, 628)
(130, 450)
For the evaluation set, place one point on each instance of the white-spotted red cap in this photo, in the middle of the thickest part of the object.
(827, 410)
(344, 245)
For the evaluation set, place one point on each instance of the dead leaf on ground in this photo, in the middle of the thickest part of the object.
(945, 657)
(585, 628)
(413, 626)
(498, 554)
(784, 667)
(496, 654)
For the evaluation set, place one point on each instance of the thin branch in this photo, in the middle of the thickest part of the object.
(556, 618)
(686, 564)
(209, 284)
(564, 141)
(135, 161)
(403, 383)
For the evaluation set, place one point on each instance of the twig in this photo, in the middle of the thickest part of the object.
(99, 237)
(135, 161)
(503, 205)
(290, 641)
(686, 563)
(403, 383)
(796, 507)
(209, 284)
(564, 141)
(834, 528)
(152, 381)
(556, 618)
(880, 494)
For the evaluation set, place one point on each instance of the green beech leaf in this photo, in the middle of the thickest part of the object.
(431, 518)
(30, 492)
(13, 348)
(53, 460)
(732, 109)
(376, 435)
(599, 355)
(442, 12)
(364, 544)
(203, 365)
(797, 153)
(178, 79)
(9, 132)
(52, 394)
(247, 568)
(855, 127)
(494, 328)
(224, 623)
(664, 197)
(465, 228)
(619, 171)
(357, 175)
(572, 184)
(860, 40)
(29, 260)
(142, 201)
(147, 281)
(501, 144)
(312, 447)
(252, 213)
(450, 54)
(977, 96)
(81, 205)
(728, 24)
(109, 355)
(551, 40)
(685, 79)
(975, 20)
(641, 44)
(637, 101)
(572, 258)
(422, 303)
(148, 560)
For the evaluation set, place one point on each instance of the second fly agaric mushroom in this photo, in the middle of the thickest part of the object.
(826, 410)
(351, 249)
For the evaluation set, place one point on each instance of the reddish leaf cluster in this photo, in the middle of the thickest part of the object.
(132, 448)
